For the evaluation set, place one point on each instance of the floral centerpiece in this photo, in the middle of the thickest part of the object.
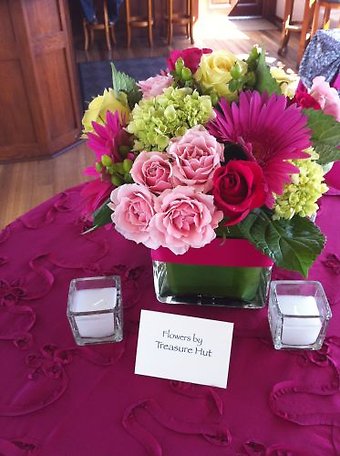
(215, 155)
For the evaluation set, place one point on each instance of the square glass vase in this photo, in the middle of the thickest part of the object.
(298, 313)
(94, 310)
(227, 272)
(225, 286)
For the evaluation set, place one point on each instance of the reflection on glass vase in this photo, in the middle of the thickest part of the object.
(230, 273)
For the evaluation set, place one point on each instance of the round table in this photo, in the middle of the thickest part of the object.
(60, 399)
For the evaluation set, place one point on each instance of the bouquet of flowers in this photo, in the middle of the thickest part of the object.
(215, 146)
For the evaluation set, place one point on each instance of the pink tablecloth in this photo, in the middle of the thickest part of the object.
(58, 399)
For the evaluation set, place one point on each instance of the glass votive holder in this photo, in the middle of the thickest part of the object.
(298, 313)
(94, 310)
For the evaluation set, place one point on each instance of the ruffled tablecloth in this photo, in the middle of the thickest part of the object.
(58, 399)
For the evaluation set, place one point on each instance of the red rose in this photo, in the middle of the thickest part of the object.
(239, 187)
(303, 99)
(190, 56)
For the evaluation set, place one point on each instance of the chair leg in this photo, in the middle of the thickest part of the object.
(128, 24)
(287, 16)
(113, 34)
(191, 27)
(106, 27)
(91, 36)
(326, 17)
(307, 19)
(150, 23)
(191, 23)
(315, 24)
(170, 12)
(187, 14)
(86, 36)
(107, 38)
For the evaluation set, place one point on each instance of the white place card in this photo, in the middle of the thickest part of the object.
(189, 349)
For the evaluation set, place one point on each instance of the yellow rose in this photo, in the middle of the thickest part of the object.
(96, 111)
(288, 82)
(214, 72)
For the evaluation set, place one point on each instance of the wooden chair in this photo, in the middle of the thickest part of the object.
(139, 21)
(303, 27)
(104, 24)
(179, 18)
(328, 6)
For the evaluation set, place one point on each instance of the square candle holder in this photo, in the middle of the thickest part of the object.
(298, 314)
(94, 310)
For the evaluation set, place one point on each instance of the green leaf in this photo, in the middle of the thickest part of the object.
(264, 80)
(292, 244)
(326, 135)
(102, 216)
(224, 231)
(125, 83)
(327, 153)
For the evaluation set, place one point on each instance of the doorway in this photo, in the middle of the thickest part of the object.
(241, 8)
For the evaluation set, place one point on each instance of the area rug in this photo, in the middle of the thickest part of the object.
(96, 76)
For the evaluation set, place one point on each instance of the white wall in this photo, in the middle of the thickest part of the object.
(297, 12)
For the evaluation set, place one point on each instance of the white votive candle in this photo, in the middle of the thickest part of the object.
(299, 331)
(92, 300)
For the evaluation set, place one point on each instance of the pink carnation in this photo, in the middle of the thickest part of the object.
(154, 86)
(154, 170)
(184, 218)
(133, 207)
(197, 154)
(326, 96)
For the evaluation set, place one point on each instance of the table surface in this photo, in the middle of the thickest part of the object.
(59, 399)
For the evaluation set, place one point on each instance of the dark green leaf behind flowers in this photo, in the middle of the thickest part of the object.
(325, 135)
(126, 84)
(292, 244)
(264, 80)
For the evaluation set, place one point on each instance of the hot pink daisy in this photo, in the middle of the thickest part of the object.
(107, 139)
(94, 194)
(269, 131)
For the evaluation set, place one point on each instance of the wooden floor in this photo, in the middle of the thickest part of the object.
(26, 184)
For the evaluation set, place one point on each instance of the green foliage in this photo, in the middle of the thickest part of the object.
(293, 244)
(224, 231)
(325, 135)
(264, 80)
(102, 216)
(126, 84)
(156, 120)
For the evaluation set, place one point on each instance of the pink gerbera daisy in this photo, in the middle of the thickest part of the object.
(107, 139)
(270, 132)
(94, 194)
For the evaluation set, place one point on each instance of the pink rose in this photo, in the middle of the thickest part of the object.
(133, 207)
(326, 96)
(154, 170)
(154, 86)
(197, 154)
(191, 57)
(184, 218)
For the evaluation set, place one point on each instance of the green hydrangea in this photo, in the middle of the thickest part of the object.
(156, 120)
(301, 195)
